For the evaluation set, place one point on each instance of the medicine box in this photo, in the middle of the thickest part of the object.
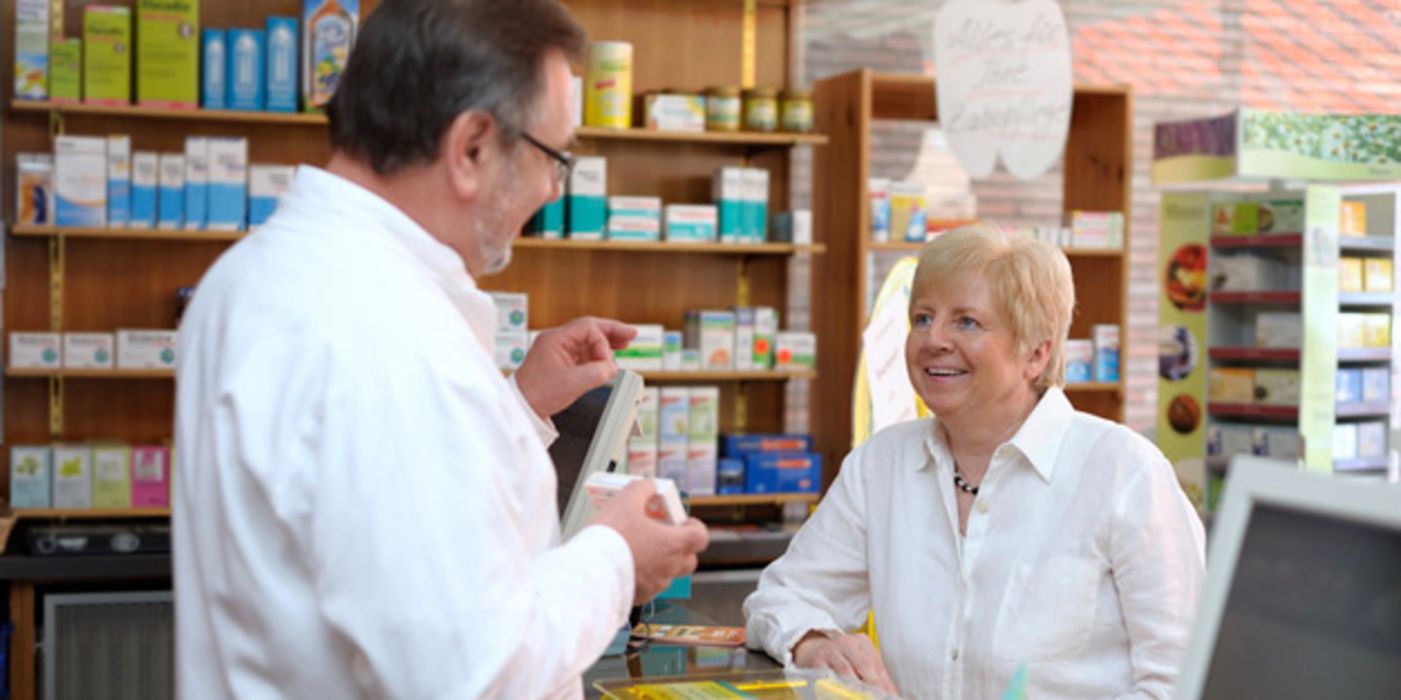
(729, 476)
(1353, 220)
(756, 213)
(170, 200)
(31, 474)
(878, 192)
(908, 204)
(1377, 275)
(1345, 441)
(1376, 330)
(664, 112)
(214, 83)
(66, 70)
(1371, 438)
(72, 476)
(145, 179)
(1231, 384)
(1228, 439)
(690, 222)
(1350, 275)
(795, 351)
(281, 64)
(642, 445)
(672, 344)
(111, 475)
(228, 184)
(35, 350)
(1348, 386)
(634, 218)
(765, 335)
(107, 55)
(1246, 273)
(89, 350)
(512, 311)
(782, 472)
(1276, 387)
(1106, 343)
(266, 185)
(146, 349)
(1079, 360)
(744, 338)
(730, 194)
(587, 203)
(150, 476)
(31, 50)
(246, 70)
(548, 223)
(35, 201)
(329, 30)
(1376, 384)
(80, 181)
(644, 352)
(738, 445)
(511, 347)
(196, 183)
(1351, 331)
(118, 181)
(1279, 329)
(167, 53)
(713, 334)
(1276, 442)
(673, 427)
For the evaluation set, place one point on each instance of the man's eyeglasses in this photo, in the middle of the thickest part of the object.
(564, 163)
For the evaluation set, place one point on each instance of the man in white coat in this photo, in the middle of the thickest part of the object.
(364, 506)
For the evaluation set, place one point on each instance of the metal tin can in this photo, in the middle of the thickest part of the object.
(796, 111)
(722, 108)
(761, 109)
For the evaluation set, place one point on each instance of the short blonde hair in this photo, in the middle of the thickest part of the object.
(1030, 280)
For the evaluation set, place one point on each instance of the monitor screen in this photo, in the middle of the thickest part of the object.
(577, 426)
(1313, 610)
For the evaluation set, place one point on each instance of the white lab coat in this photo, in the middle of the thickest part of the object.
(363, 505)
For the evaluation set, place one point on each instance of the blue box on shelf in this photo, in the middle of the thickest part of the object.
(729, 476)
(741, 445)
(782, 472)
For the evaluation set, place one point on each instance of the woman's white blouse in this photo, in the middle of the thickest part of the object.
(1082, 560)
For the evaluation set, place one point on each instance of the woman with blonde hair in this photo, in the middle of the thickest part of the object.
(1006, 534)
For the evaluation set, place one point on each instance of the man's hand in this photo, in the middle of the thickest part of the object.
(851, 655)
(660, 551)
(569, 360)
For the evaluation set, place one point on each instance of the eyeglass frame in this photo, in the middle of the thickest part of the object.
(564, 162)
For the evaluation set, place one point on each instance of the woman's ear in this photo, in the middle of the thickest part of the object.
(1036, 360)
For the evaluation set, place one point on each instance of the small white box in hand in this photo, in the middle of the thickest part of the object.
(602, 486)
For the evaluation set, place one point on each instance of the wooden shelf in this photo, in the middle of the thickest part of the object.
(665, 247)
(93, 373)
(1092, 387)
(1366, 244)
(757, 375)
(89, 513)
(208, 115)
(1274, 240)
(1253, 411)
(1367, 299)
(1262, 297)
(1364, 355)
(1360, 464)
(750, 499)
(1253, 354)
(735, 138)
(1377, 409)
(127, 234)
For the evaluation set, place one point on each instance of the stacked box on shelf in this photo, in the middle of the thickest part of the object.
(642, 447)
(776, 463)
(109, 475)
(673, 430)
(703, 429)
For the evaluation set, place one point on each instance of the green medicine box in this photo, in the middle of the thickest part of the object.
(66, 70)
(107, 60)
(167, 53)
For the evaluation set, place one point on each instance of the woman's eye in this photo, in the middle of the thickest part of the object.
(922, 320)
(967, 323)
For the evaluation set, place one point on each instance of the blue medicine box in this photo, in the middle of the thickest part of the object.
(782, 472)
(741, 445)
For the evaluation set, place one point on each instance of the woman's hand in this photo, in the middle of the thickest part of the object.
(851, 655)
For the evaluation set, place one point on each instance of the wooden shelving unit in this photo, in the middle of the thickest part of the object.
(127, 234)
(92, 373)
(710, 377)
(89, 513)
(752, 499)
(1097, 164)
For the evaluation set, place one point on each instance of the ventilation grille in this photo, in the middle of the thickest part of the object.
(115, 646)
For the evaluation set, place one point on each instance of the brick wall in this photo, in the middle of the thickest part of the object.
(1183, 59)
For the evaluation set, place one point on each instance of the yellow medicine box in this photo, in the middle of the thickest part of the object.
(1350, 278)
(1377, 275)
(1232, 384)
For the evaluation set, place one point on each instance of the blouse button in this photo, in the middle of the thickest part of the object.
(983, 507)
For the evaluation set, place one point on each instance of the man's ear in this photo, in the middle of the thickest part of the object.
(469, 145)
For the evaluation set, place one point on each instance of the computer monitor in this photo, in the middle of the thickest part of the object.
(1303, 590)
(593, 437)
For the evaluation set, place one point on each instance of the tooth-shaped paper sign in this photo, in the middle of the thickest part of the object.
(1003, 80)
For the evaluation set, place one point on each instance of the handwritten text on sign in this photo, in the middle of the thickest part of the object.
(1004, 83)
